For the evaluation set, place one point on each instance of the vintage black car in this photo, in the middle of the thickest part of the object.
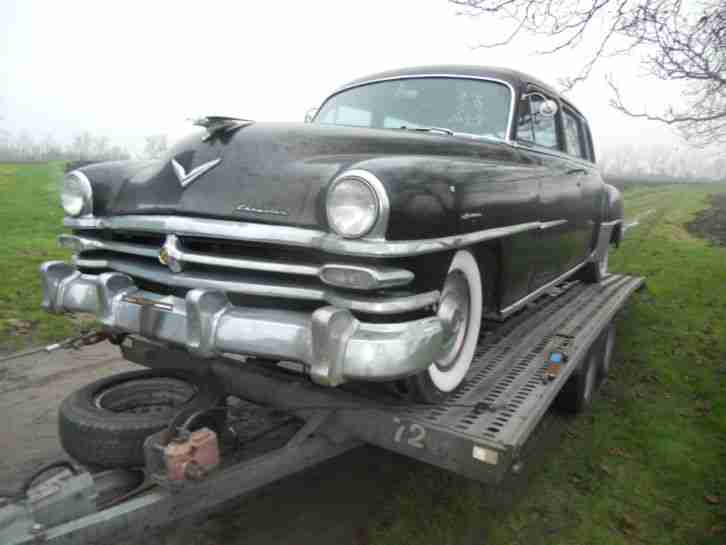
(369, 243)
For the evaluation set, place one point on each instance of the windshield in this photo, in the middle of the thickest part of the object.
(470, 106)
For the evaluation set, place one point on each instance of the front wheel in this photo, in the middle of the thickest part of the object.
(460, 308)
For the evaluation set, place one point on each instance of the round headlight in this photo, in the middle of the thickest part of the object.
(353, 206)
(76, 194)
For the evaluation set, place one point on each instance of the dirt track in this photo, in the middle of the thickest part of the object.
(337, 503)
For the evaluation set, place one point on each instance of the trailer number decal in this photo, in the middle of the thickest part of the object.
(413, 434)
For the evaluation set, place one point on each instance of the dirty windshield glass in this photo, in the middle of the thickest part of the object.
(475, 107)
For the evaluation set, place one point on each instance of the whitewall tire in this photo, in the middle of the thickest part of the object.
(461, 308)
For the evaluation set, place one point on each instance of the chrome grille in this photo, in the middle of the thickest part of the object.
(236, 267)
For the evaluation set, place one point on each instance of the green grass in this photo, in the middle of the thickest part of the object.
(30, 220)
(637, 469)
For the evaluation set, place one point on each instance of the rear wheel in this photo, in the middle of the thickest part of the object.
(460, 308)
(608, 341)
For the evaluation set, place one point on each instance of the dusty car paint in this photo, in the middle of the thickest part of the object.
(438, 185)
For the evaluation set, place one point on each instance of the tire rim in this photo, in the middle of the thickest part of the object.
(590, 378)
(145, 396)
(460, 310)
(609, 345)
(454, 312)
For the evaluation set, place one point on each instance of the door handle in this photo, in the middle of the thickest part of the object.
(574, 171)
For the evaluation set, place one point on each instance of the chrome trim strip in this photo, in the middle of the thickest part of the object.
(384, 277)
(84, 244)
(550, 224)
(378, 230)
(263, 287)
(335, 345)
(539, 291)
(294, 236)
(89, 263)
(610, 223)
(513, 94)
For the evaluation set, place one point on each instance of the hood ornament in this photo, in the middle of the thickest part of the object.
(185, 178)
(220, 125)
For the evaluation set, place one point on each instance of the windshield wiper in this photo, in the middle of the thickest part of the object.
(440, 130)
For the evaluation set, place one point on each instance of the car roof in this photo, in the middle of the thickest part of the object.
(514, 77)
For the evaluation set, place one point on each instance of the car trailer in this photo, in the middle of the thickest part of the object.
(520, 367)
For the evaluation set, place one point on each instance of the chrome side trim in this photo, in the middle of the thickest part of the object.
(383, 277)
(513, 94)
(539, 291)
(263, 287)
(550, 224)
(294, 236)
(335, 346)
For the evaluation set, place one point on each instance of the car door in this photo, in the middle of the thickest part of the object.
(540, 137)
(578, 145)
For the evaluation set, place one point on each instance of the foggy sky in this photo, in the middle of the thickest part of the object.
(127, 69)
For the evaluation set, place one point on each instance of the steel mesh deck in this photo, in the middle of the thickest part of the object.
(508, 369)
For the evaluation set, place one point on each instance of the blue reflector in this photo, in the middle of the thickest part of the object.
(556, 357)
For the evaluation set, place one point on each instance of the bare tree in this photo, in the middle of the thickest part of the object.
(156, 145)
(676, 40)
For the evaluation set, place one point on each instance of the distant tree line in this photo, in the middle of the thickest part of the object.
(84, 148)
(659, 162)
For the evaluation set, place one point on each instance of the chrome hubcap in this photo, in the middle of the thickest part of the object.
(454, 313)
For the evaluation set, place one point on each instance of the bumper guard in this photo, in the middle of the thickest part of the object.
(335, 345)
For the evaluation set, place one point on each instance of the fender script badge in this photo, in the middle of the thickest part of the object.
(185, 178)
(269, 211)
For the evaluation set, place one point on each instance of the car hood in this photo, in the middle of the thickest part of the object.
(275, 172)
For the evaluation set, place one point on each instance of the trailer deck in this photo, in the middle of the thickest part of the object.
(478, 432)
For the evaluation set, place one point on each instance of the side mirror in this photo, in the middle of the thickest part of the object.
(548, 108)
(310, 114)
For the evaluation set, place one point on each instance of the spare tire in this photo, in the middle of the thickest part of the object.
(105, 423)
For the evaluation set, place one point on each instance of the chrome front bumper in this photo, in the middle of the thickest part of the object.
(334, 345)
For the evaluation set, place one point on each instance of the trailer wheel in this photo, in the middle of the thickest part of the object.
(576, 395)
(608, 345)
(105, 423)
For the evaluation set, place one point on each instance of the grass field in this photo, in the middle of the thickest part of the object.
(646, 465)
(30, 220)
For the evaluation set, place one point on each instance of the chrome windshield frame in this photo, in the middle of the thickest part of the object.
(512, 97)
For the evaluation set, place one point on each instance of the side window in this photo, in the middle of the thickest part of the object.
(574, 135)
(535, 127)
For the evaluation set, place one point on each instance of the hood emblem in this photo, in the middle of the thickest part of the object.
(185, 178)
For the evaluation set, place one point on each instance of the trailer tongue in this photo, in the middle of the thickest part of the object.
(520, 367)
